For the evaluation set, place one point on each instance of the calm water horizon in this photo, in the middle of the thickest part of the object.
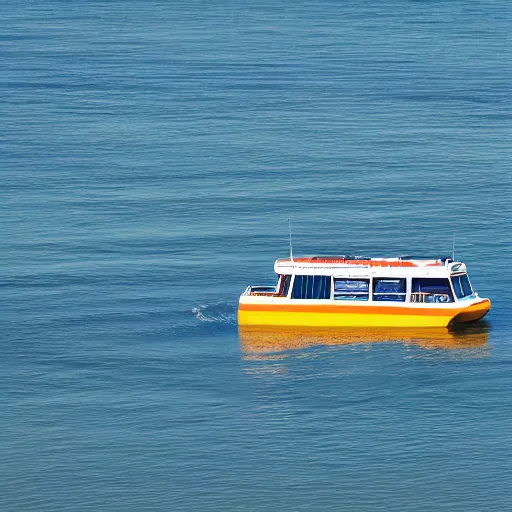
(151, 153)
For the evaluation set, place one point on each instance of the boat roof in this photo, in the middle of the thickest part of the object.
(365, 265)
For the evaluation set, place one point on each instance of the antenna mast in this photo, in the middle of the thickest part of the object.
(453, 247)
(290, 231)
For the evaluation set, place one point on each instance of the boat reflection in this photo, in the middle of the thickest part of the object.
(268, 340)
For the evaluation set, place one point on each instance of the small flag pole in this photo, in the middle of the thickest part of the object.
(290, 232)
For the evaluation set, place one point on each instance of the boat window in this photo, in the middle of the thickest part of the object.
(311, 287)
(390, 290)
(284, 285)
(428, 289)
(351, 289)
(462, 286)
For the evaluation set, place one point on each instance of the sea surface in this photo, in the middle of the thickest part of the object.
(151, 153)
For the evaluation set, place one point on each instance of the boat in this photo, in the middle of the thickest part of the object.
(360, 291)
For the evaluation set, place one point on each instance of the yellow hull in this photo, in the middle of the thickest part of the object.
(340, 316)
(292, 319)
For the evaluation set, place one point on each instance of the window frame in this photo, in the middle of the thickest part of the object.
(403, 295)
(328, 282)
(452, 284)
(365, 296)
(283, 286)
(451, 294)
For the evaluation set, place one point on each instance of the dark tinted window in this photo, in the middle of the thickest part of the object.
(385, 289)
(462, 286)
(351, 289)
(286, 286)
(311, 287)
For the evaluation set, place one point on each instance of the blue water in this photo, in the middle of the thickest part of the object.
(150, 154)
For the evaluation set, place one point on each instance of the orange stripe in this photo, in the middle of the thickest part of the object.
(363, 310)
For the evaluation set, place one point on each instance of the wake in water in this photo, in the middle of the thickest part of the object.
(218, 312)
